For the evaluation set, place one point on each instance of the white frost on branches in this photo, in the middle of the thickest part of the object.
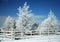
(50, 23)
(24, 18)
(9, 23)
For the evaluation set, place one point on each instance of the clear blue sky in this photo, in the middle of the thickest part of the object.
(38, 7)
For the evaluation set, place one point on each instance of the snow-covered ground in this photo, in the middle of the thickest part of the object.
(51, 38)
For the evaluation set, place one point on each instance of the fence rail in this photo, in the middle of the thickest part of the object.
(11, 34)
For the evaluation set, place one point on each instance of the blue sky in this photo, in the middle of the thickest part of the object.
(38, 7)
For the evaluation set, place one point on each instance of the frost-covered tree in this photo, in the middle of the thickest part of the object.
(9, 23)
(49, 24)
(58, 29)
(24, 17)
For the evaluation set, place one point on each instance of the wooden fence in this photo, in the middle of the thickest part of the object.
(12, 35)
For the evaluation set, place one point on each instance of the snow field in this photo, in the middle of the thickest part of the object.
(51, 38)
